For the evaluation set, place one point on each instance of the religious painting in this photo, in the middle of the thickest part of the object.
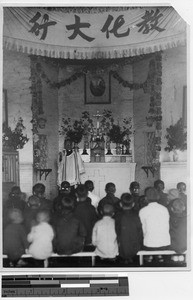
(97, 88)
(5, 108)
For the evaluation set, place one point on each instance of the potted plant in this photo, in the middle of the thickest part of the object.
(176, 138)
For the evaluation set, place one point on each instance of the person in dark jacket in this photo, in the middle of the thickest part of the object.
(14, 201)
(129, 229)
(163, 197)
(39, 191)
(65, 190)
(181, 186)
(85, 211)
(30, 212)
(15, 241)
(178, 226)
(134, 190)
(110, 198)
(36, 203)
(70, 233)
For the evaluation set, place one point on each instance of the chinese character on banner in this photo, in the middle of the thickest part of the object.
(42, 26)
(150, 21)
(117, 24)
(76, 27)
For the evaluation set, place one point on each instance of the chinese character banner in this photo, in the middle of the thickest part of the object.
(107, 34)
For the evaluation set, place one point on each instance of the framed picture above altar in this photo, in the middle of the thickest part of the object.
(97, 88)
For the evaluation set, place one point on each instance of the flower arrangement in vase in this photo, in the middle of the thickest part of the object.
(14, 139)
(176, 138)
(119, 132)
(75, 130)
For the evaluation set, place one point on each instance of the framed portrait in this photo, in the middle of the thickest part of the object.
(5, 108)
(97, 88)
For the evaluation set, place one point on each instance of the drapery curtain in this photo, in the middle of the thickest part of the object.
(102, 34)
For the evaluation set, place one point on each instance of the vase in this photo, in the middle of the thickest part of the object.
(127, 150)
(118, 149)
(86, 146)
(175, 155)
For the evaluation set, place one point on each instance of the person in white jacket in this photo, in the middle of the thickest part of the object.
(155, 223)
(104, 236)
(41, 237)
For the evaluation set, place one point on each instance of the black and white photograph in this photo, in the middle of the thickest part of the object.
(95, 149)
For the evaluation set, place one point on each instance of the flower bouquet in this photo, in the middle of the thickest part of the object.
(176, 137)
(74, 130)
(14, 139)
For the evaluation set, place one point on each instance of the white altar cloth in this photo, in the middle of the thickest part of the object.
(121, 174)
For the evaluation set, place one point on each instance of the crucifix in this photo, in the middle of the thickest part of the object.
(97, 116)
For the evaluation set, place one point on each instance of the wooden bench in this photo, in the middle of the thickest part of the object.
(142, 253)
(46, 261)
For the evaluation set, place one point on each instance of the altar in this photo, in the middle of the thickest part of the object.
(107, 153)
(120, 173)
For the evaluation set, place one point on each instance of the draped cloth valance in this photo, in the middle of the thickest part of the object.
(83, 35)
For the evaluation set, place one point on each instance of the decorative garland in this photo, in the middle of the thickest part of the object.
(155, 112)
(36, 91)
(67, 81)
(39, 141)
(124, 83)
(79, 74)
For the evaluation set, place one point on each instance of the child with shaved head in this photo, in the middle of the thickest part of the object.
(104, 236)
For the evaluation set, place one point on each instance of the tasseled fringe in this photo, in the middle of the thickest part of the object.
(90, 53)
